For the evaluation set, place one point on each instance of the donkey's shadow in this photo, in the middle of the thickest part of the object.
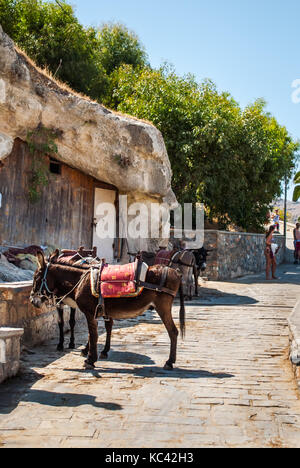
(151, 372)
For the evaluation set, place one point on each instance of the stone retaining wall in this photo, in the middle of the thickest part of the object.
(17, 312)
(236, 254)
(9, 352)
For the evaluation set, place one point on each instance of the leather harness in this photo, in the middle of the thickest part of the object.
(100, 309)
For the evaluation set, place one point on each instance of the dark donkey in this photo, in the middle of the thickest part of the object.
(55, 280)
(183, 260)
(70, 257)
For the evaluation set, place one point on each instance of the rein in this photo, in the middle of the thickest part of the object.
(68, 294)
(44, 285)
(150, 286)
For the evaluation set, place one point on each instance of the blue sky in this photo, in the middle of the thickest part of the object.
(249, 48)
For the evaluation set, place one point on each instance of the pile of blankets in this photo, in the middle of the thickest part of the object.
(18, 265)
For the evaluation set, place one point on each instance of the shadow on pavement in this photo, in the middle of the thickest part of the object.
(212, 297)
(69, 400)
(287, 274)
(129, 358)
(19, 390)
(155, 371)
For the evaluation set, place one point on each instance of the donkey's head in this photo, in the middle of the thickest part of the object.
(43, 283)
(201, 258)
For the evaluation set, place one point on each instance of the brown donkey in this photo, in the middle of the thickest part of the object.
(183, 260)
(56, 280)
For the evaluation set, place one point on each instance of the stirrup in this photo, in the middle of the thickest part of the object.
(100, 313)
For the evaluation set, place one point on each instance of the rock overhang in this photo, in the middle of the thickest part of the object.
(114, 148)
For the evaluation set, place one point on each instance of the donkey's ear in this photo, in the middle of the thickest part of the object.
(54, 256)
(41, 259)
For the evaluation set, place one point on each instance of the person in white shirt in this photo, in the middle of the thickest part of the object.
(276, 219)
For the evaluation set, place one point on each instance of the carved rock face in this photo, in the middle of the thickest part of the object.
(111, 147)
(6, 145)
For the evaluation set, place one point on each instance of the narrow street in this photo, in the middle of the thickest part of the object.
(233, 384)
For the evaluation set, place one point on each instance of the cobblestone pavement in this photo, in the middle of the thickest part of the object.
(233, 385)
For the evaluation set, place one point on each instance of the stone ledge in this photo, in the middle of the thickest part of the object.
(9, 332)
(16, 285)
(9, 352)
(239, 233)
(294, 326)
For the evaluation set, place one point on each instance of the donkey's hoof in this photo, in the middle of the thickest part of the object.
(84, 353)
(71, 346)
(168, 366)
(103, 355)
(88, 365)
(60, 348)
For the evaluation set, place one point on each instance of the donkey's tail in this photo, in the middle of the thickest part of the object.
(182, 311)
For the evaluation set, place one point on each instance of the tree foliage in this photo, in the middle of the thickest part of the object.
(231, 159)
(117, 46)
(84, 58)
(296, 194)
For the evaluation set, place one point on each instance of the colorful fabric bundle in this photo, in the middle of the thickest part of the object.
(118, 280)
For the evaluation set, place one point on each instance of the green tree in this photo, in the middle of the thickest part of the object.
(51, 35)
(230, 159)
(117, 46)
(296, 194)
(84, 58)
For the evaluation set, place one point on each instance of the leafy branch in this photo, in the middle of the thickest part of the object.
(40, 142)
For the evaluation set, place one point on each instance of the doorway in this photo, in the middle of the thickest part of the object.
(105, 246)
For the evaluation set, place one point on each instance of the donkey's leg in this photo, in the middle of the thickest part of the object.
(196, 280)
(108, 326)
(85, 351)
(164, 310)
(60, 312)
(72, 323)
(93, 341)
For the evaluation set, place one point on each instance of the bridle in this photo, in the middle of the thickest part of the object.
(44, 283)
(52, 297)
(44, 291)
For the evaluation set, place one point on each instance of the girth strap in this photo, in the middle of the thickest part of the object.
(161, 287)
(157, 288)
(100, 309)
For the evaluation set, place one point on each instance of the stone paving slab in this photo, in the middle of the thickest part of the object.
(233, 385)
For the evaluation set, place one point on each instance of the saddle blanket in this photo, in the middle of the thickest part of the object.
(163, 257)
(76, 260)
(118, 280)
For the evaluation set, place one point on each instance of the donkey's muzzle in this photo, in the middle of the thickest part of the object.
(37, 301)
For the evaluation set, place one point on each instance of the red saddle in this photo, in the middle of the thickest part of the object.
(163, 257)
(119, 280)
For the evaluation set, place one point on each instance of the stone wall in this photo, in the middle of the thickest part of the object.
(236, 254)
(17, 312)
(9, 352)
